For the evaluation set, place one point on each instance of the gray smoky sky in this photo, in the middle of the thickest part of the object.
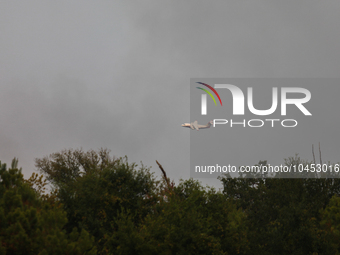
(116, 74)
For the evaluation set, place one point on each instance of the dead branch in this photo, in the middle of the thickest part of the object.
(320, 154)
(313, 153)
(164, 175)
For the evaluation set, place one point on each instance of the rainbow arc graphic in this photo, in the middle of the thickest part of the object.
(204, 97)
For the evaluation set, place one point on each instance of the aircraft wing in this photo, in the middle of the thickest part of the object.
(195, 125)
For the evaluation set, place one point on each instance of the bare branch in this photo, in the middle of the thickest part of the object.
(320, 154)
(313, 153)
(164, 175)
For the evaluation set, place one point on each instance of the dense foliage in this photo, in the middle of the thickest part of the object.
(103, 205)
(31, 224)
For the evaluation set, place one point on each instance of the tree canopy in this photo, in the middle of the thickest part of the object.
(31, 225)
(98, 204)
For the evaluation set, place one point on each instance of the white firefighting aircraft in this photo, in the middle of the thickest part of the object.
(195, 125)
